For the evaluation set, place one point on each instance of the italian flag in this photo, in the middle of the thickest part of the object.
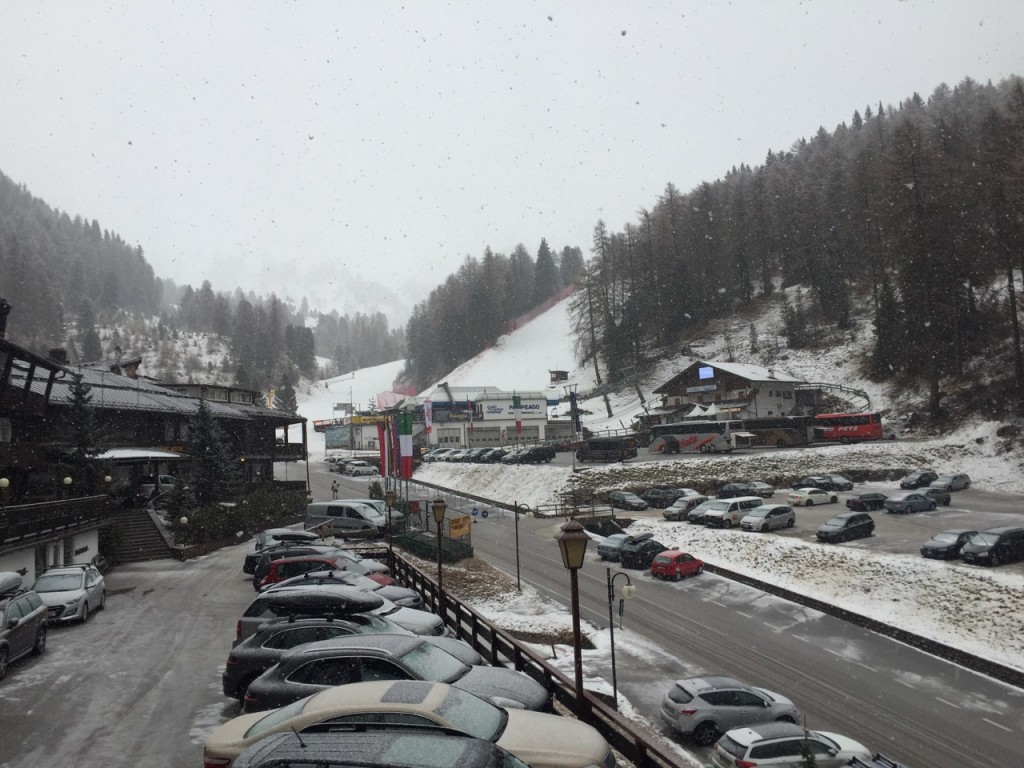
(517, 411)
(428, 415)
(405, 443)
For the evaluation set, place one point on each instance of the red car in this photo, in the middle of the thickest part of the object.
(673, 564)
(287, 567)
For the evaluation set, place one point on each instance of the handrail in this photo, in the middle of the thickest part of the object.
(24, 522)
(501, 648)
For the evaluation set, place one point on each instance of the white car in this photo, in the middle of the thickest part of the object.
(71, 592)
(808, 497)
(542, 739)
(361, 468)
(779, 745)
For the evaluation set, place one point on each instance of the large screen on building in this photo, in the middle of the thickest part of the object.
(705, 372)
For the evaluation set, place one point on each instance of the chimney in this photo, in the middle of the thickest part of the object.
(59, 355)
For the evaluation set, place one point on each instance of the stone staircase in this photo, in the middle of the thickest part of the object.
(140, 537)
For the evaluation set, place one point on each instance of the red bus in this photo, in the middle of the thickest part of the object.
(849, 427)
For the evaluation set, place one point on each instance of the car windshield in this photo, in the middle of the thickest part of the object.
(837, 520)
(941, 479)
(984, 539)
(431, 663)
(717, 506)
(662, 559)
(277, 717)
(758, 512)
(472, 715)
(948, 538)
(58, 582)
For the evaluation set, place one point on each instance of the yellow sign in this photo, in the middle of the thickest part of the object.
(367, 419)
(458, 527)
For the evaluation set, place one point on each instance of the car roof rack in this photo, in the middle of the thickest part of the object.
(878, 761)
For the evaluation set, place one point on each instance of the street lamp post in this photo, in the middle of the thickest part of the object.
(519, 506)
(389, 500)
(438, 507)
(570, 392)
(628, 590)
(572, 542)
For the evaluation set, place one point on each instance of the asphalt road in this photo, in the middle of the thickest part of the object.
(892, 698)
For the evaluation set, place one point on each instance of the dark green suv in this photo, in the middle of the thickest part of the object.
(22, 621)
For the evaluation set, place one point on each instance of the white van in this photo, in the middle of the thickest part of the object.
(725, 513)
(345, 518)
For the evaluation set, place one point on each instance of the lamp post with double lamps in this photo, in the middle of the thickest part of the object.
(628, 590)
(389, 500)
(572, 542)
(438, 507)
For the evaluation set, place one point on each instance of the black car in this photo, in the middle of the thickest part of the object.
(846, 526)
(918, 478)
(273, 537)
(733, 490)
(491, 455)
(22, 621)
(946, 545)
(513, 456)
(865, 502)
(626, 500)
(375, 749)
(640, 553)
(994, 547)
(537, 454)
(310, 668)
(260, 651)
(938, 495)
(811, 481)
(663, 497)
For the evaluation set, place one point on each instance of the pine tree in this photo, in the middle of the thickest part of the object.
(211, 471)
(83, 433)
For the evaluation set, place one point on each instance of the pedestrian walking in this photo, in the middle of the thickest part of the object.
(334, 489)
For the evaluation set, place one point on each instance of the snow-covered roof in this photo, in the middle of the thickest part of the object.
(752, 372)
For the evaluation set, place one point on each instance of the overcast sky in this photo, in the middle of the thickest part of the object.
(358, 153)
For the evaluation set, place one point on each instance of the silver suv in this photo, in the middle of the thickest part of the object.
(705, 706)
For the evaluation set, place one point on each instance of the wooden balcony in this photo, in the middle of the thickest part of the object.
(25, 524)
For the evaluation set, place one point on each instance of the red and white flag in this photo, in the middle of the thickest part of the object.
(428, 415)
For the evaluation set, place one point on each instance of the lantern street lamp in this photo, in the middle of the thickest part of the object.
(438, 507)
(570, 392)
(572, 542)
(389, 500)
(628, 590)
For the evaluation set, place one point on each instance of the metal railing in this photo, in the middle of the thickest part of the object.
(501, 648)
(23, 523)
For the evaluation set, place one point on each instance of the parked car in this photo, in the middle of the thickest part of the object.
(877, 761)
(955, 482)
(846, 526)
(704, 706)
(397, 517)
(513, 456)
(768, 517)
(22, 621)
(866, 502)
(904, 502)
(826, 482)
(273, 537)
(609, 548)
(639, 552)
(308, 669)
(994, 547)
(808, 497)
(918, 478)
(762, 489)
(359, 467)
(537, 454)
(437, 454)
(537, 738)
(492, 456)
(330, 600)
(408, 598)
(725, 513)
(732, 490)
(662, 498)
(152, 486)
(810, 481)
(939, 495)
(458, 455)
(287, 568)
(261, 650)
(696, 515)
(425, 748)
(946, 545)
(784, 745)
(345, 518)
(71, 592)
(272, 554)
(680, 508)
(674, 564)
(626, 500)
